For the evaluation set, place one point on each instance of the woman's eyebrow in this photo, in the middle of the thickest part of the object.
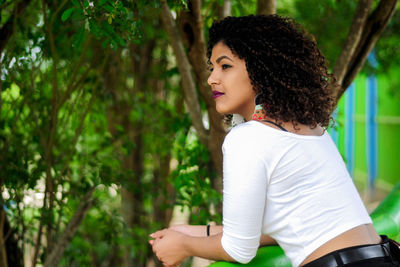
(221, 58)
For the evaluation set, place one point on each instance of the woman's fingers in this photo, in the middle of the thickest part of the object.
(166, 246)
(154, 246)
(158, 234)
(155, 235)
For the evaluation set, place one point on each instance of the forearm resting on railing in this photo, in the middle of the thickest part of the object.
(201, 231)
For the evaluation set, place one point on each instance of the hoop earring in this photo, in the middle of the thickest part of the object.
(257, 99)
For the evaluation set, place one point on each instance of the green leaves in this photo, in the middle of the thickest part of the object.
(102, 2)
(192, 180)
(67, 13)
(109, 21)
(79, 38)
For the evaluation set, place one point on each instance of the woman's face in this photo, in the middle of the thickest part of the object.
(230, 83)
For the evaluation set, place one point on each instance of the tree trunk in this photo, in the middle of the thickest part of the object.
(128, 203)
(3, 251)
(119, 113)
(225, 9)
(10, 253)
(188, 84)
(8, 28)
(192, 27)
(191, 24)
(162, 190)
(266, 7)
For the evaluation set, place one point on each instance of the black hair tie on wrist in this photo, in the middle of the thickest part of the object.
(208, 229)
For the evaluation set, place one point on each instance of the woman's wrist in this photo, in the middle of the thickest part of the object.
(190, 230)
(213, 229)
(198, 230)
(186, 245)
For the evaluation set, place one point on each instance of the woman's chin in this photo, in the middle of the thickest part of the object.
(223, 110)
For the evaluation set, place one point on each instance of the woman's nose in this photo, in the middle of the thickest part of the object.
(212, 79)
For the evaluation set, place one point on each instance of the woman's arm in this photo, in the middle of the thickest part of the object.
(244, 198)
(196, 230)
(207, 247)
(172, 247)
(201, 231)
(266, 240)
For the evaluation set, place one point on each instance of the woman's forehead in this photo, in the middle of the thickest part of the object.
(221, 51)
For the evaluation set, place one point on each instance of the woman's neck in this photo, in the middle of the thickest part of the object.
(259, 114)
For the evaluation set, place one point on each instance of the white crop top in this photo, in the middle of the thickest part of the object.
(294, 188)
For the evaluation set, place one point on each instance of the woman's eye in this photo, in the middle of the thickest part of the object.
(210, 69)
(226, 66)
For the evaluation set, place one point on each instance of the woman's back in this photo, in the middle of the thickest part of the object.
(309, 197)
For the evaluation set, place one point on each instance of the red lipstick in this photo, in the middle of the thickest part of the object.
(217, 94)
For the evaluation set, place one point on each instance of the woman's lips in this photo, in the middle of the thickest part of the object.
(217, 94)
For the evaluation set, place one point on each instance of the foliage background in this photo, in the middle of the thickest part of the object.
(93, 122)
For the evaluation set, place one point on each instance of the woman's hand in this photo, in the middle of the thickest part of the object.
(169, 247)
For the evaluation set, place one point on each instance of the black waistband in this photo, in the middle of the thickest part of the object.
(352, 254)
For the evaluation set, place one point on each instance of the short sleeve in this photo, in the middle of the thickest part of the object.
(244, 193)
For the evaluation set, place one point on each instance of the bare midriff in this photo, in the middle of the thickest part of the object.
(361, 235)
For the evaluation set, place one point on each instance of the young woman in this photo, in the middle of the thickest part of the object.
(284, 181)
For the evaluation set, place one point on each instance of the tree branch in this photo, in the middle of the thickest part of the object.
(40, 231)
(7, 30)
(86, 203)
(374, 27)
(52, 131)
(72, 81)
(352, 40)
(266, 7)
(78, 132)
(189, 87)
(225, 9)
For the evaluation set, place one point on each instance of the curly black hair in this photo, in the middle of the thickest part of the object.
(285, 67)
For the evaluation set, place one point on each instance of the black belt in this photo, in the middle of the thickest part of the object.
(350, 255)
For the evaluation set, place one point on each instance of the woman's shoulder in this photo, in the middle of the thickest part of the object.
(258, 135)
(243, 130)
(248, 134)
(253, 130)
(259, 129)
